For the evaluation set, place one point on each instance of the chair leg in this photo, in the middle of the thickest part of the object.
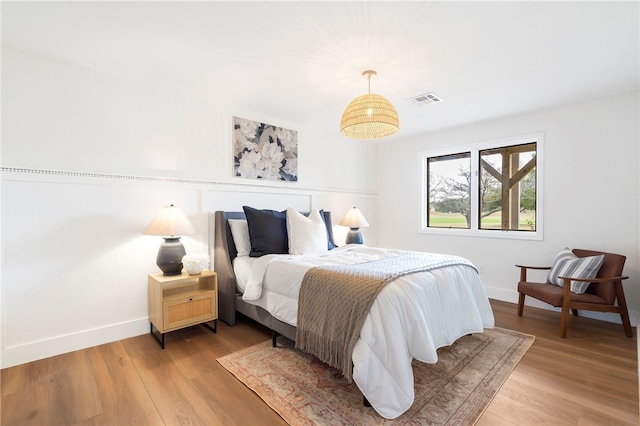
(574, 312)
(566, 307)
(564, 316)
(564, 322)
(520, 304)
(624, 313)
(626, 323)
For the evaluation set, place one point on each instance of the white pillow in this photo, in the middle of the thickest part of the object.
(240, 233)
(307, 235)
(567, 264)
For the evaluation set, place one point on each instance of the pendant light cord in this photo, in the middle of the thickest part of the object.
(369, 73)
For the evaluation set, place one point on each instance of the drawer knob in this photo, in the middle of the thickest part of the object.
(191, 299)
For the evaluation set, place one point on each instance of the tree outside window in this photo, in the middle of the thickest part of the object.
(508, 188)
(449, 201)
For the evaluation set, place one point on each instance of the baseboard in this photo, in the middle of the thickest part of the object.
(32, 351)
(502, 294)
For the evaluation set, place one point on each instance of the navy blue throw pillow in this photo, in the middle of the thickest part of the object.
(267, 231)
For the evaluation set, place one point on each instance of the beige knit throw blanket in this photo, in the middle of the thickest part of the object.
(334, 302)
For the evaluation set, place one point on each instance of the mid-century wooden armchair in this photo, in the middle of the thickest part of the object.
(601, 295)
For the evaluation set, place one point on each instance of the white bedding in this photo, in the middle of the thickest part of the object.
(412, 317)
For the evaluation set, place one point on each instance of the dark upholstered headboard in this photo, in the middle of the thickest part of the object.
(223, 255)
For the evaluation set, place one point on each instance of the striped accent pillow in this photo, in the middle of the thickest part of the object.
(567, 264)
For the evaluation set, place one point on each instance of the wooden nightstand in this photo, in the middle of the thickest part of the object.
(180, 301)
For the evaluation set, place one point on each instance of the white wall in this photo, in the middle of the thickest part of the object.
(591, 184)
(88, 159)
(57, 116)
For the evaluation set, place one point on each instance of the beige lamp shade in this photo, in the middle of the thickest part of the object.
(369, 116)
(171, 220)
(354, 219)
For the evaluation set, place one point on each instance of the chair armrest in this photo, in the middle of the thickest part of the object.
(523, 270)
(595, 280)
(566, 290)
(533, 267)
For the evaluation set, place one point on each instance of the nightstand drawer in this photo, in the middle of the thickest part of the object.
(189, 310)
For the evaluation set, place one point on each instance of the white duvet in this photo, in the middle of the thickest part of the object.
(412, 316)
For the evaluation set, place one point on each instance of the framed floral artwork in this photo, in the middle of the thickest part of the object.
(264, 151)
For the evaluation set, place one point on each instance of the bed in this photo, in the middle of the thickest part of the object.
(412, 316)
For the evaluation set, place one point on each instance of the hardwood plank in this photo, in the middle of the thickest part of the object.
(228, 396)
(56, 390)
(514, 411)
(196, 354)
(93, 421)
(176, 399)
(491, 419)
(31, 406)
(141, 345)
(125, 399)
(590, 377)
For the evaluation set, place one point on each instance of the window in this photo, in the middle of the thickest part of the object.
(508, 188)
(487, 189)
(449, 183)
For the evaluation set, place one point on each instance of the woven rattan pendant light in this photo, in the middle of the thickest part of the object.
(369, 116)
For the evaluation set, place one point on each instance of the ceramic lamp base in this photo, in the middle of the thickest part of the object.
(354, 236)
(170, 255)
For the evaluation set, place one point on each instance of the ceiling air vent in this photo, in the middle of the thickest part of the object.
(426, 99)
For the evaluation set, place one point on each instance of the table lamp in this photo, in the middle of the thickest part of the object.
(354, 220)
(170, 223)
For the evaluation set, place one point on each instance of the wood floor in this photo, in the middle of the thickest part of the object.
(590, 378)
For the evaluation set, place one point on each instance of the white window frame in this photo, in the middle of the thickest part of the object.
(475, 149)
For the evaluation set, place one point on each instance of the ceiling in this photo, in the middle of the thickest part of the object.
(302, 61)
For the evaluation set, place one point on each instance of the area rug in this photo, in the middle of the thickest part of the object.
(454, 391)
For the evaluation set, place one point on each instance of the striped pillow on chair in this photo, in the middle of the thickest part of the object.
(567, 264)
